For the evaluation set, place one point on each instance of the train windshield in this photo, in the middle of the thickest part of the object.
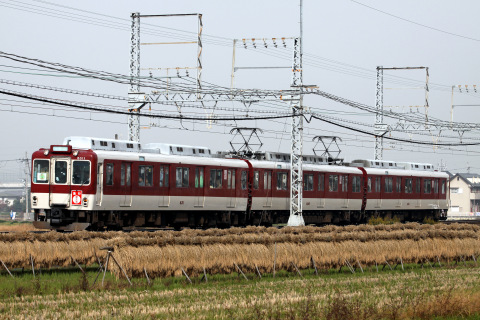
(40, 171)
(81, 172)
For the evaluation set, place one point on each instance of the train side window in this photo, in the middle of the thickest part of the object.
(164, 176)
(125, 174)
(81, 172)
(333, 183)
(427, 183)
(231, 179)
(344, 183)
(40, 171)
(198, 177)
(215, 178)
(181, 178)
(282, 181)
(443, 187)
(109, 174)
(389, 184)
(435, 186)
(398, 184)
(321, 182)
(243, 180)
(256, 180)
(378, 184)
(308, 182)
(356, 182)
(145, 176)
(267, 180)
(369, 184)
(408, 185)
(418, 185)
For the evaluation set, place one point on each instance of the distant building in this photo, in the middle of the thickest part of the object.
(10, 192)
(464, 195)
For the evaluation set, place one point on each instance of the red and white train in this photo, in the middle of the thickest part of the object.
(91, 183)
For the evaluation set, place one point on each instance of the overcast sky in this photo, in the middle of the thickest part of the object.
(344, 42)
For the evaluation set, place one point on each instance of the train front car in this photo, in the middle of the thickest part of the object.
(63, 190)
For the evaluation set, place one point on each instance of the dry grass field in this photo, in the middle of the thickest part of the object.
(165, 253)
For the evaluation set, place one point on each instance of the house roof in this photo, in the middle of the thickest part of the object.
(11, 193)
(472, 179)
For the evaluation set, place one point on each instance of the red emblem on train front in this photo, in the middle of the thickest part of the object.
(76, 197)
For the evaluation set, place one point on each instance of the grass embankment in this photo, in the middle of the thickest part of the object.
(433, 293)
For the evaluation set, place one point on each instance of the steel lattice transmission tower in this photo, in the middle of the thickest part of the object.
(379, 125)
(134, 118)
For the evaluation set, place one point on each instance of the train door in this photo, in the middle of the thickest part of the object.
(98, 196)
(60, 184)
(126, 184)
(231, 188)
(321, 191)
(199, 187)
(164, 185)
(267, 185)
(344, 179)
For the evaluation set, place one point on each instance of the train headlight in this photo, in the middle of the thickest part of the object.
(45, 152)
(34, 198)
(85, 202)
(75, 153)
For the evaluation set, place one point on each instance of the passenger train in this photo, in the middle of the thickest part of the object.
(98, 184)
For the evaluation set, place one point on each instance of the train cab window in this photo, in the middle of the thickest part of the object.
(81, 172)
(256, 180)
(333, 183)
(369, 184)
(321, 182)
(267, 180)
(389, 184)
(164, 176)
(427, 184)
(215, 178)
(40, 171)
(126, 174)
(109, 174)
(282, 181)
(356, 183)
(181, 178)
(198, 178)
(60, 172)
(408, 185)
(231, 179)
(243, 180)
(145, 176)
(378, 184)
(308, 182)
(443, 187)
(398, 184)
(418, 185)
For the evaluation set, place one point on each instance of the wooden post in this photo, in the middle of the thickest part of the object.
(360, 265)
(77, 264)
(146, 275)
(376, 265)
(314, 266)
(7, 269)
(98, 260)
(119, 266)
(464, 262)
(106, 267)
(349, 266)
(475, 260)
(204, 275)
(298, 271)
(33, 269)
(258, 271)
(388, 265)
(186, 275)
(439, 264)
(401, 261)
(238, 268)
(274, 259)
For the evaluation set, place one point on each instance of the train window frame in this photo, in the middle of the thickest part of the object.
(356, 184)
(427, 186)
(109, 173)
(282, 181)
(256, 180)
(378, 184)
(199, 177)
(418, 185)
(164, 176)
(230, 178)
(126, 174)
(321, 182)
(408, 185)
(435, 186)
(443, 186)
(344, 183)
(369, 185)
(145, 173)
(308, 182)
(42, 174)
(243, 180)
(333, 183)
(216, 180)
(267, 180)
(182, 176)
(398, 184)
(83, 181)
(388, 185)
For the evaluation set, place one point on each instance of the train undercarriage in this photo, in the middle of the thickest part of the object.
(58, 218)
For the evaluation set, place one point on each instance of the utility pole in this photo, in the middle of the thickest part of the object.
(296, 152)
(134, 118)
(379, 125)
(25, 185)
